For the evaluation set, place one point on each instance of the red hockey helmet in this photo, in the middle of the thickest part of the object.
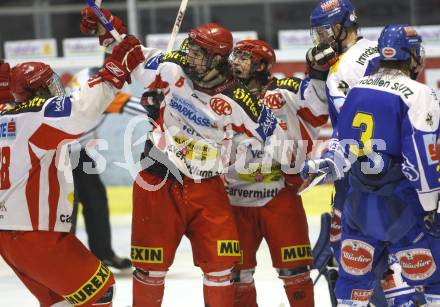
(28, 77)
(259, 50)
(214, 38)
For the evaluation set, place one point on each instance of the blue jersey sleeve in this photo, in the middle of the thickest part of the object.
(420, 130)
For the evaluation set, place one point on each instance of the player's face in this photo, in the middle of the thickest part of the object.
(197, 59)
(241, 64)
(323, 35)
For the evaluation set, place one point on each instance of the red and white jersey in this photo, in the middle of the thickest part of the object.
(301, 108)
(36, 186)
(196, 126)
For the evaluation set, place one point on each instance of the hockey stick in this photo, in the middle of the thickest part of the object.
(177, 24)
(104, 20)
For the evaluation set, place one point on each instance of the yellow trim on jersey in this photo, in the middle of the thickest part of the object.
(335, 66)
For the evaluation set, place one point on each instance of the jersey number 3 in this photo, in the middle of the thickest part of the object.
(365, 123)
(5, 155)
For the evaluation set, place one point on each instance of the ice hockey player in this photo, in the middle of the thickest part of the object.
(334, 31)
(36, 192)
(334, 27)
(264, 204)
(180, 192)
(394, 184)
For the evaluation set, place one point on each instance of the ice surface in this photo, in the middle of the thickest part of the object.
(183, 286)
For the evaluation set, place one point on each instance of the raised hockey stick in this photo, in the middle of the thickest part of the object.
(177, 24)
(107, 24)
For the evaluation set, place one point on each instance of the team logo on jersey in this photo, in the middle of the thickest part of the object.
(356, 257)
(361, 295)
(228, 248)
(91, 287)
(296, 252)
(147, 254)
(275, 101)
(220, 106)
(344, 87)
(8, 129)
(58, 107)
(429, 120)
(417, 264)
(409, 170)
(388, 52)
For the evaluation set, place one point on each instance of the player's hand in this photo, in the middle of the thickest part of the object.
(5, 93)
(332, 164)
(323, 166)
(151, 101)
(125, 57)
(91, 25)
(432, 223)
(321, 57)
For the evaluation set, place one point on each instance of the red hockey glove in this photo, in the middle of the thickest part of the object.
(129, 53)
(124, 58)
(5, 93)
(91, 25)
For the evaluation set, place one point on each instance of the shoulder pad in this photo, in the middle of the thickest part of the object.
(59, 106)
(32, 105)
(292, 84)
(177, 57)
(250, 103)
(154, 62)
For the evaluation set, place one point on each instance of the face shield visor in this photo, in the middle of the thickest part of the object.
(241, 64)
(323, 35)
(55, 86)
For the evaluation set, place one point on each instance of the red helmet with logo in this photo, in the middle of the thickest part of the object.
(27, 78)
(212, 37)
(258, 49)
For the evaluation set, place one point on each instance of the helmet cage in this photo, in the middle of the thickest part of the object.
(199, 61)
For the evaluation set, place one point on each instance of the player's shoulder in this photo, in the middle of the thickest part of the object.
(55, 107)
(33, 105)
(410, 91)
(356, 58)
(361, 52)
(177, 57)
(244, 98)
(291, 84)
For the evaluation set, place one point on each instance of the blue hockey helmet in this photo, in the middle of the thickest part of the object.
(330, 12)
(396, 42)
(327, 14)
